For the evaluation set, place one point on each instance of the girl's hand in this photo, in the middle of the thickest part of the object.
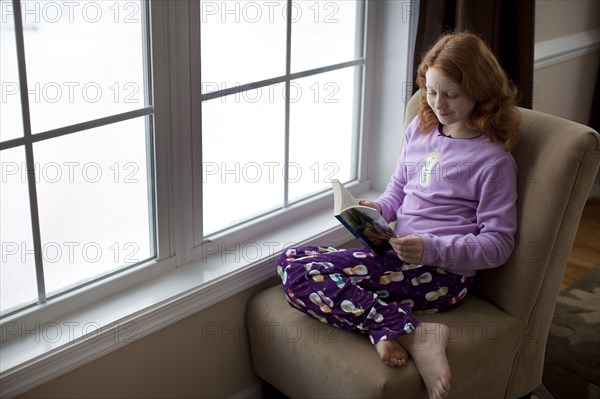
(408, 248)
(370, 204)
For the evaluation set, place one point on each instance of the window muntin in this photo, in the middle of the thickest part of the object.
(10, 104)
(94, 218)
(83, 165)
(325, 33)
(316, 130)
(241, 41)
(178, 242)
(84, 60)
(323, 132)
(242, 158)
(19, 288)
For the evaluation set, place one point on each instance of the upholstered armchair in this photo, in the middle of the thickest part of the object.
(498, 336)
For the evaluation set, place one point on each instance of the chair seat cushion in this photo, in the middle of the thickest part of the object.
(303, 357)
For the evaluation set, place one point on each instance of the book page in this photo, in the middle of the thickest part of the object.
(342, 198)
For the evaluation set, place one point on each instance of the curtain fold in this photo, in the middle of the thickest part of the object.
(507, 26)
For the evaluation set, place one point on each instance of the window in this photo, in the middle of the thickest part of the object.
(137, 131)
(182, 272)
(281, 90)
(76, 146)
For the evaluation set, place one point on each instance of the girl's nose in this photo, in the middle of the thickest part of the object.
(439, 102)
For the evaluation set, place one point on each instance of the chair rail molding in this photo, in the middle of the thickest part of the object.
(564, 48)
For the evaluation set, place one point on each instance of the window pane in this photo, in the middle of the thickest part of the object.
(323, 33)
(18, 285)
(94, 203)
(11, 125)
(241, 42)
(242, 156)
(322, 139)
(84, 60)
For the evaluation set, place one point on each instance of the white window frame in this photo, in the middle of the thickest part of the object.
(159, 204)
(185, 280)
(289, 212)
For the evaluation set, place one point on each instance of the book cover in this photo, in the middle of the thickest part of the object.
(366, 224)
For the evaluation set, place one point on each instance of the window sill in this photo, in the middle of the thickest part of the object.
(32, 357)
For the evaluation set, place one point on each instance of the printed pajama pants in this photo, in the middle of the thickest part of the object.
(354, 289)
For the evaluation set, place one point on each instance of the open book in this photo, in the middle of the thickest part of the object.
(366, 224)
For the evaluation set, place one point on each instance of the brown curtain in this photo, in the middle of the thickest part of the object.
(506, 25)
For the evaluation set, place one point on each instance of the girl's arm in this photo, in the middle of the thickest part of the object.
(370, 204)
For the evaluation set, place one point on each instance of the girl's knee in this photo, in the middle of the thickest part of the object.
(292, 275)
(290, 254)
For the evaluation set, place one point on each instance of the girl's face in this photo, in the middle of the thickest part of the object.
(448, 102)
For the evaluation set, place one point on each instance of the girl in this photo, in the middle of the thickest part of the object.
(453, 198)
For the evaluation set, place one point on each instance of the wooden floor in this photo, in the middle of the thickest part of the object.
(586, 249)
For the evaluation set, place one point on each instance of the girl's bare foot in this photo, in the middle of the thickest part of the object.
(391, 353)
(427, 345)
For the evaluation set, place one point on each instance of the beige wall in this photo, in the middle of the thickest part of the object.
(566, 89)
(192, 359)
(203, 356)
(555, 18)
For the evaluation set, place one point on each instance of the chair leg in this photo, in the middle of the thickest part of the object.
(528, 396)
(270, 392)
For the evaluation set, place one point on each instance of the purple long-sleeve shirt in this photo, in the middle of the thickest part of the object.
(458, 195)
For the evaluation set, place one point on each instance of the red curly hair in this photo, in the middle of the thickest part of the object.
(466, 59)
